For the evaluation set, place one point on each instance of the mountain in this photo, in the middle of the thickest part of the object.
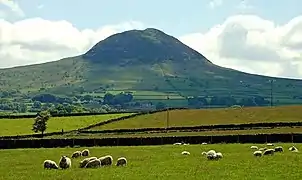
(149, 63)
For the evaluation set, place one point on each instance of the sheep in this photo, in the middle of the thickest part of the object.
(211, 152)
(293, 149)
(212, 156)
(85, 161)
(85, 152)
(263, 149)
(49, 164)
(219, 155)
(257, 153)
(279, 149)
(122, 161)
(94, 163)
(270, 144)
(65, 162)
(204, 143)
(269, 152)
(177, 144)
(76, 154)
(185, 153)
(185, 144)
(106, 160)
(254, 147)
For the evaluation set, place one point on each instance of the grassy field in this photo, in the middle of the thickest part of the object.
(178, 118)
(10, 127)
(157, 162)
(174, 133)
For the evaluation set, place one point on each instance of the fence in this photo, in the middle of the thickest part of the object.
(53, 143)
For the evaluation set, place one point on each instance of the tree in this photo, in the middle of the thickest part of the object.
(40, 123)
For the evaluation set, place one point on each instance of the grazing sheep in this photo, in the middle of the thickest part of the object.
(122, 161)
(269, 152)
(185, 153)
(204, 143)
(254, 147)
(263, 149)
(270, 144)
(95, 163)
(212, 156)
(85, 161)
(185, 144)
(211, 152)
(65, 162)
(219, 155)
(293, 149)
(257, 153)
(177, 144)
(85, 152)
(49, 164)
(76, 154)
(106, 160)
(279, 149)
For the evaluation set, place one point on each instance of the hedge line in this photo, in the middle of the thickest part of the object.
(12, 116)
(200, 128)
(133, 141)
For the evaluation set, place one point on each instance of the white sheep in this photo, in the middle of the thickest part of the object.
(85, 161)
(65, 162)
(122, 161)
(204, 143)
(270, 144)
(279, 149)
(49, 164)
(211, 152)
(293, 149)
(177, 144)
(85, 152)
(263, 149)
(95, 163)
(211, 155)
(76, 154)
(269, 152)
(254, 147)
(185, 153)
(257, 153)
(106, 160)
(219, 155)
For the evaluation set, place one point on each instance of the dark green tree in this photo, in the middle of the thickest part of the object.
(40, 124)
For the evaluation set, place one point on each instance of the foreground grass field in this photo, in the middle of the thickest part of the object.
(23, 126)
(157, 162)
(178, 118)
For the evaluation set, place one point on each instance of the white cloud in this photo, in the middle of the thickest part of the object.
(244, 42)
(37, 40)
(215, 3)
(13, 6)
(252, 44)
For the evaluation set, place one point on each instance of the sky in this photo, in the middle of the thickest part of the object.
(255, 36)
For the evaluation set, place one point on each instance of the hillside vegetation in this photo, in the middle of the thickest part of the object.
(198, 117)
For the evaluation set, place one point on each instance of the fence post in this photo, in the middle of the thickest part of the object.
(238, 138)
(211, 139)
(266, 138)
(292, 136)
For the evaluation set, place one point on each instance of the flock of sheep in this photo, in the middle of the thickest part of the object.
(89, 162)
(270, 151)
(213, 155)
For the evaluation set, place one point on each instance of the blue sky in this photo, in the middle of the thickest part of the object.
(176, 17)
(254, 36)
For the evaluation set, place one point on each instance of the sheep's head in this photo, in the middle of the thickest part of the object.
(63, 158)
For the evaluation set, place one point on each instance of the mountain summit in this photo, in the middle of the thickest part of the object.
(145, 46)
(147, 62)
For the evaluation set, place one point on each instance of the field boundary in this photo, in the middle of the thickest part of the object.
(139, 141)
(199, 128)
(84, 128)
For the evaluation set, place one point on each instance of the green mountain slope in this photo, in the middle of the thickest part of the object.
(146, 62)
